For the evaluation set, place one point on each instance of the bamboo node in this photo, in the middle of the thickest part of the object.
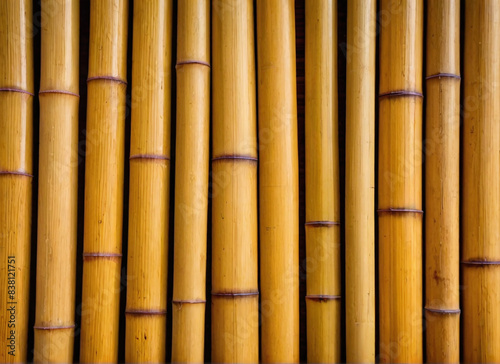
(107, 78)
(322, 223)
(235, 294)
(399, 210)
(63, 92)
(443, 311)
(145, 312)
(441, 75)
(401, 93)
(13, 89)
(322, 297)
(234, 157)
(36, 327)
(149, 156)
(192, 61)
(182, 302)
(479, 263)
(87, 256)
(17, 173)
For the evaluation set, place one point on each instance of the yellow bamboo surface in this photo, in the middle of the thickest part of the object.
(235, 295)
(322, 184)
(481, 183)
(145, 325)
(16, 168)
(360, 181)
(57, 182)
(278, 181)
(442, 302)
(400, 182)
(105, 133)
(191, 193)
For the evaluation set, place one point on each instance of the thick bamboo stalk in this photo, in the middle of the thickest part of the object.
(278, 181)
(106, 88)
(145, 312)
(442, 301)
(481, 183)
(400, 182)
(235, 295)
(322, 184)
(57, 182)
(360, 181)
(16, 168)
(191, 194)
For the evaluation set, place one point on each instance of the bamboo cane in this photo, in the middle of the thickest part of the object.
(145, 333)
(104, 181)
(400, 182)
(16, 168)
(278, 181)
(58, 180)
(322, 184)
(481, 183)
(360, 181)
(191, 195)
(235, 295)
(442, 182)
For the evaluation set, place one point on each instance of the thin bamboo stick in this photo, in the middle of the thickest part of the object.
(57, 182)
(145, 312)
(278, 181)
(360, 181)
(235, 295)
(191, 194)
(400, 182)
(442, 301)
(322, 184)
(481, 183)
(16, 168)
(104, 164)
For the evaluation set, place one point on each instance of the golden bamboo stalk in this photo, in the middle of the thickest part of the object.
(360, 181)
(57, 182)
(106, 85)
(322, 184)
(481, 183)
(442, 301)
(16, 168)
(278, 181)
(145, 312)
(400, 182)
(191, 180)
(235, 295)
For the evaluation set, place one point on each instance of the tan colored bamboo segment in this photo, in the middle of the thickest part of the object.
(191, 193)
(360, 181)
(400, 182)
(442, 176)
(278, 181)
(481, 183)
(104, 164)
(322, 184)
(145, 324)
(16, 168)
(57, 182)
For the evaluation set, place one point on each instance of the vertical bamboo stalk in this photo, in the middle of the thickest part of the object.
(360, 181)
(16, 168)
(322, 184)
(235, 295)
(481, 183)
(400, 182)
(191, 180)
(442, 303)
(278, 181)
(57, 182)
(104, 163)
(145, 333)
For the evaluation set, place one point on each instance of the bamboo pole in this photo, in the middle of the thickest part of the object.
(400, 182)
(360, 181)
(16, 168)
(191, 180)
(442, 301)
(481, 183)
(57, 182)
(235, 295)
(106, 88)
(278, 181)
(322, 184)
(145, 311)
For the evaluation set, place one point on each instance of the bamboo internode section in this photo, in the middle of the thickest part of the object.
(145, 333)
(16, 169)
(191, 180)
(481, 183)
(442, 302)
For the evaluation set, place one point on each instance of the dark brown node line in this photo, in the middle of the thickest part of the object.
(181, 302)
(149, 156)
(107, 78)
(17, 173)
(400, 93)
(145, 312)
(234, 157)
(399, 210)
(63, 92)
(92, 256)
(192, 61)
(443, 311)
(322, 223)
(235, 294)
(479, 263)
(322, 297)
(53, 327)
(444, 75)
(13, 89)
